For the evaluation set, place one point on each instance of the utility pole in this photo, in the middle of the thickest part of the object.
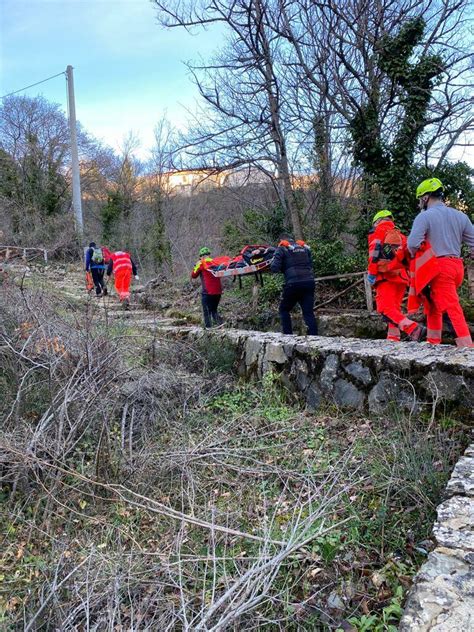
(76, 180)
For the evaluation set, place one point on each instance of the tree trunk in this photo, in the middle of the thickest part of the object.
(286, 190)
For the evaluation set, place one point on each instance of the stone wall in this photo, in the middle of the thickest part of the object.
(442, 596)
(360, 324)
(356, 324)
(354, 373)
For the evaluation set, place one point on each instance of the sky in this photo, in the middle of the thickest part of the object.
(128, 71)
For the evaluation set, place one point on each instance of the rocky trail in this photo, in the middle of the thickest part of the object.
(68, 283)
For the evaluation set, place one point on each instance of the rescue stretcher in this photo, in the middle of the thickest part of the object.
(253, 259)
(263, 266)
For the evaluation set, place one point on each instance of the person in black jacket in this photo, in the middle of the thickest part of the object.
(95, 264)
(293, 259)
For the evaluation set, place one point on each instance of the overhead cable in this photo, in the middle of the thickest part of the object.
(33, 85)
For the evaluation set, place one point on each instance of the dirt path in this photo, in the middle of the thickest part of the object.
(68, 282)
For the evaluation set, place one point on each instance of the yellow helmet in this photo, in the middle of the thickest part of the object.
(428, 186)
(381, 215)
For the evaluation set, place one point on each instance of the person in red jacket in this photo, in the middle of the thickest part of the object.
(388, 272)
(123, 266)
(211, 288)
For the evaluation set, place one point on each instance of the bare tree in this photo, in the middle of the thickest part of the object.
(34, 133)
(35, 169)
(304, 85)
(244, 122)
(392, 75)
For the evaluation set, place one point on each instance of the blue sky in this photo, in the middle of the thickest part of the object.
(128, 71)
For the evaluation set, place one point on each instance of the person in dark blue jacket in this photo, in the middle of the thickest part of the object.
(293, 259)
(95, 264)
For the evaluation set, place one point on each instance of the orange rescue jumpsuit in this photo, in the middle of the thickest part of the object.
(392, 283)
(123, 267)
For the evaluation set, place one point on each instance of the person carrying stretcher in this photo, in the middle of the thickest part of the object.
(211, 288)
(293, 259)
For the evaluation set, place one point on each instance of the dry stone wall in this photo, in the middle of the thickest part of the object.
(442, 597)
(354, 373)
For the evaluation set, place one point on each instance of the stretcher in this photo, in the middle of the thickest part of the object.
(252, 259)
(263, 266)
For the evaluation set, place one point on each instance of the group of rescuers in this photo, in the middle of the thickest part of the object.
(120, 263)
(429, 263)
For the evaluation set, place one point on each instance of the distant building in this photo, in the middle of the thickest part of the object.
(245, 176)
(342, 187)
(188, 181)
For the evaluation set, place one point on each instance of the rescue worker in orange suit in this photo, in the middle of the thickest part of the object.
(293, 259)
(211, 289)
(446, 229)
(388, 272)
(123, 266)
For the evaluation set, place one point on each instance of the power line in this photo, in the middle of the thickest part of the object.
(32, 85)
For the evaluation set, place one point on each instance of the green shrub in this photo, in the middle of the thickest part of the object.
(271, 290)
(332, 258)
(255, 227)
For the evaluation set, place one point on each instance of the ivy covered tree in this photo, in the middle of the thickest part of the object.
(110, 213)
(156, 245)
(387, 164)
(9, 175)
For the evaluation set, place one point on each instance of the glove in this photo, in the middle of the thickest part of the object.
(371, 278)
(137, 278)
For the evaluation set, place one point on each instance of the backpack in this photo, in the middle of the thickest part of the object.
(392, 242)
(97, 255)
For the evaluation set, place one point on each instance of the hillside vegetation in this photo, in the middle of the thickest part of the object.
(145, 487)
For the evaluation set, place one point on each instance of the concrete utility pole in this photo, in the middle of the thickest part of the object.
(76, 180)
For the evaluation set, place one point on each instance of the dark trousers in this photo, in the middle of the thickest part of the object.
(98, 278)
(209, 309)
(303, 294)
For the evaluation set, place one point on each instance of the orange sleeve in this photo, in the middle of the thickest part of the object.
(374, 242)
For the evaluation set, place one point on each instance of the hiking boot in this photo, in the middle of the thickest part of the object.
(126, 304)
(104, 291)
(418, 334)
